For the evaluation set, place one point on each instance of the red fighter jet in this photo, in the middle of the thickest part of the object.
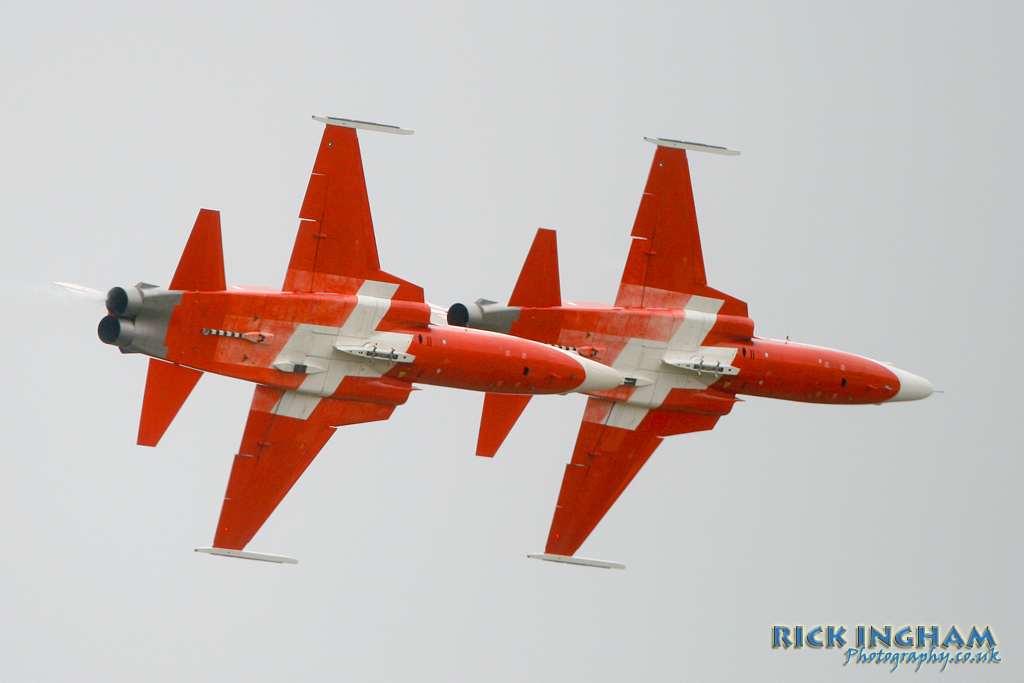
(685, 350)
(341, 343)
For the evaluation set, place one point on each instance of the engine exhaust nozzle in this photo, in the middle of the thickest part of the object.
(484, 315)
(116, 331)
(123, 302)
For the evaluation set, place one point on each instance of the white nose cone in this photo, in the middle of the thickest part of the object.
(912, 387)
(598, 377)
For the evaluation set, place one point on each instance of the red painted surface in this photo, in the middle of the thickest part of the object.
(344, 342)
(538, 285)
(446, 356)
(201, 267)
(167, 387)
(275, 451)
(604, 462)
(499, 416)
(657, 300)
(334, 295)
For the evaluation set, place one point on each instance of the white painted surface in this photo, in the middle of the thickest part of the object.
(692, 146)
(912, 387)
(785, 510)
(332, 351)
(296, 404)
(246, 555)
(363, 125)
(625, 416)
(569, 559)
(599, 377)
(663, 366)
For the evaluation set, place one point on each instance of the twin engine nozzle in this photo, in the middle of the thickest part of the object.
(118, 328)
(124, 302)
(139, 318)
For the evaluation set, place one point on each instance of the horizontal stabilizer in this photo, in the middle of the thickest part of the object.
(569, 559)
(201, 268)
(167, 387)
(500, 414)
(262, 557)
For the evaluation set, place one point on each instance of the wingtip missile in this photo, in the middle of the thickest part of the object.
(245, 555)
(363, 125)
(692, 146)
(582, 561)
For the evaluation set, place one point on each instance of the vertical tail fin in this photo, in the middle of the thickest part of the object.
(201, 268)
(167, 387)
(538, 293)
(500, 414)
(538, 285)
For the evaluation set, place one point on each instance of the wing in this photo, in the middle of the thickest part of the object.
(335, 249)
(284, 433)
(614, 442)
(665, 262)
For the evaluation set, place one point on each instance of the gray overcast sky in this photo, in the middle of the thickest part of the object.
(876, 208)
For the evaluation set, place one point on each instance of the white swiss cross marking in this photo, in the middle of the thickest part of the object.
(644, 360)
(313, 347)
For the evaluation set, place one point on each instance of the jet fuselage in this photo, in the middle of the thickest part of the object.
(355, 347)
(664, 354)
